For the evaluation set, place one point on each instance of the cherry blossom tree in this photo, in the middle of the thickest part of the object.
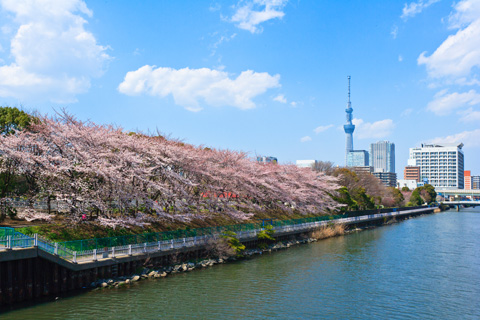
(116, 174)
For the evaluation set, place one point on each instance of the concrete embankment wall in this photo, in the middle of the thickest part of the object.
(31, 273)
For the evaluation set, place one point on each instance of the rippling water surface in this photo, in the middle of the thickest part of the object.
(423, 268)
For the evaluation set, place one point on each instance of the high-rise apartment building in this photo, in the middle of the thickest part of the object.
(357, 158)
(441, 165)
(476, 182)
(388, 179)
(467, 180)
(382, 156)
(411, 173)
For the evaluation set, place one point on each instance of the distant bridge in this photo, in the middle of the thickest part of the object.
(465, 203)
(458, 192)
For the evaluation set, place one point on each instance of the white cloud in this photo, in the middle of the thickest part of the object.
(251, 14)
(280, 98)
(444, 103)
(466, 12)
(190, 87)
(293, 104)
(459, 53)
(322, 128)
(406, 112)
(305, 139)
(400, 58)
(414, 8)
(394, 32)
(470, 115)
(468, 138)
(6, 29)
(215, 7)
(379, 129)
(221, 40)
(54, 57)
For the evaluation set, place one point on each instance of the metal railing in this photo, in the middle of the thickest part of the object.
(19, 240)
(6, 231)
(99, 243)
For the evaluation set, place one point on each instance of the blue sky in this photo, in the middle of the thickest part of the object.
(264, 76)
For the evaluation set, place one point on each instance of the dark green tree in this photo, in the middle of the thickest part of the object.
(364, 200)
(428, 193)
(423, 194)
(345, 198)
(415, 198)
(13, 120)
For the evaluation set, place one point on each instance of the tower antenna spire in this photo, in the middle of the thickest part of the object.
(349, 103)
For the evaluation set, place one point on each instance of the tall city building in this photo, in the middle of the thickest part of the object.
(467, 180)
(411, 173)
(357, 158)
(349, 127)
(382, 156)
(475, 182)
(441, 166)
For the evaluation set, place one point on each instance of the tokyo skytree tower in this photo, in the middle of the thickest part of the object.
(349, 127)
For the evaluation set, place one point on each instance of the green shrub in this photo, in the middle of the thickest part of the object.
(234, 242)
(266, 236)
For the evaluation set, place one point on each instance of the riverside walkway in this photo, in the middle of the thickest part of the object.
(12, 240)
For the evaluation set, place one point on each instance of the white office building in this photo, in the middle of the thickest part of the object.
(306, 163)
(440, 165)
(410, 184)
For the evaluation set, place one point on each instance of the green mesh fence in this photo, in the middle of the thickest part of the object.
(6, 231)
(99, 243)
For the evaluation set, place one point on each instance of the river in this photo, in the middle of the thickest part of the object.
(422, 268)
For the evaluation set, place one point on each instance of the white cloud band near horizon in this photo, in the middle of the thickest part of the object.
(471, 139)
(445, 103)
(191, 88)
(52, 56)
(375, 130)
